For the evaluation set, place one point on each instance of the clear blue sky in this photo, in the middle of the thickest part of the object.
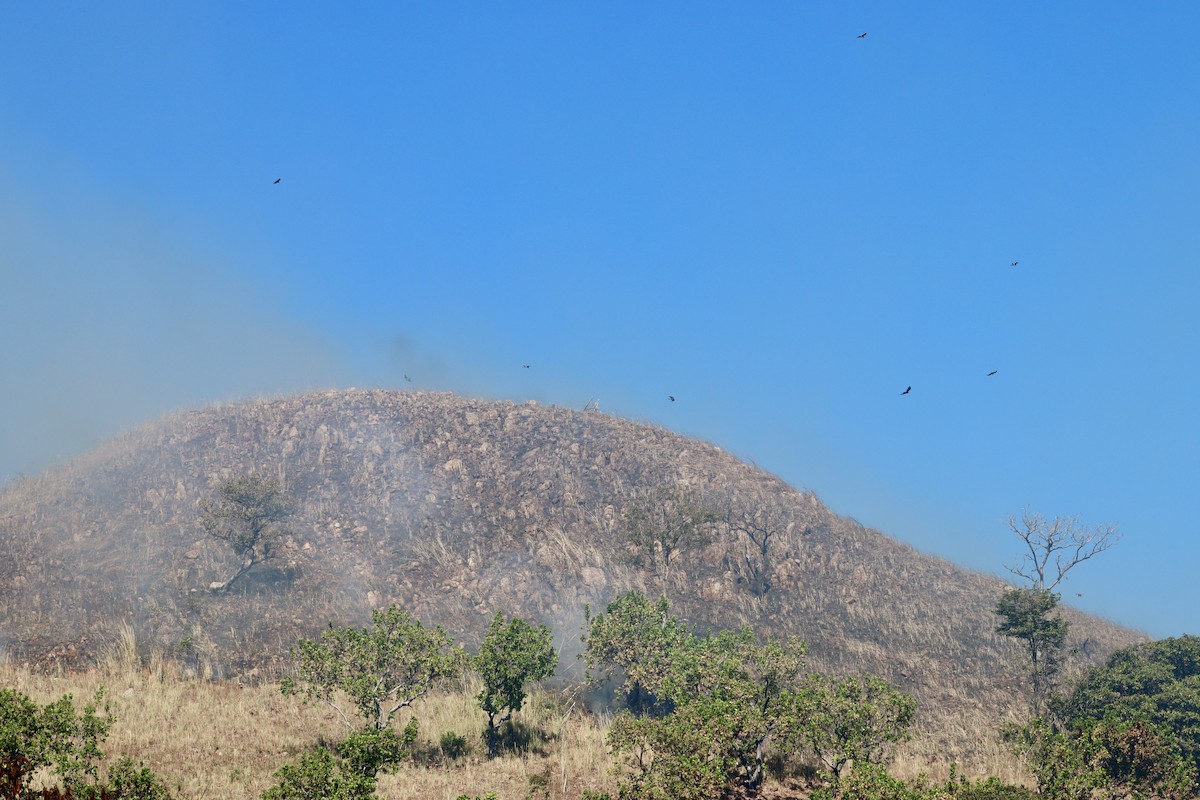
(743, 205)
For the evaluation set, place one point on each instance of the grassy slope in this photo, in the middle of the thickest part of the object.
(456, 508)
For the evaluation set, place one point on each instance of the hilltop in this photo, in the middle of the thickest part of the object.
(456, 508)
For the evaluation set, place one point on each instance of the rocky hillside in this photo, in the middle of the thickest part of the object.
(455, 508)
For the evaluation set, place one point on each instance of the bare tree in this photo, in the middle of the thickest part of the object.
(760, 525)
(246, 514)
(1055, 546)
(665, 523)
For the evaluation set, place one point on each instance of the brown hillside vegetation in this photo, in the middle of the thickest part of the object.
(455, 508)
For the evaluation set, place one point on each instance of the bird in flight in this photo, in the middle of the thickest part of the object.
(524, 366)
(407, 378)
(906, 391)
(277, 180)
(861, 36)
(671, 397)
(993, 372)
(1014, 263)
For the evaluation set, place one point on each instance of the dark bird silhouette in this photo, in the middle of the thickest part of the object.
(671, 397)
(906, 391)
(524, 366)
(407, 378)
(861, 36)
(993, 372)
(277, 180)
(1014, 263)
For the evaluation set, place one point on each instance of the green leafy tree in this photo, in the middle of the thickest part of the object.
(747, 692)
(676, 757)
(1025, 616)
(511, 655)
(53, 736)
(729, 704)
(1158, 682)
(382, 669)
(633, 641)
(1051, 549)
(853, 720)
(246, 514)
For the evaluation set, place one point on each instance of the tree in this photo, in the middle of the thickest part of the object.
(665, 524)
(854, 720)
(633, 640)
(1156, 683)
(382, 669)
(726, 704)
(760, 524)
(747, 693)
(1052, 549)
(512, 654)
(246, 514)
(1025, 616)
(1056, 546)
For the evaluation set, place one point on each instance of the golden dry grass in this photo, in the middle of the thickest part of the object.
(222, 739)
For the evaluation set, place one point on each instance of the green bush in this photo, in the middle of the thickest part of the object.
(319, 777)
(127, 781)
(53, 736)
(453, 746)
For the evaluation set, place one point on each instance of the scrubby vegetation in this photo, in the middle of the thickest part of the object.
(715, 715)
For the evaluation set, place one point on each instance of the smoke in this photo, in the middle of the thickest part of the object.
(107, 321)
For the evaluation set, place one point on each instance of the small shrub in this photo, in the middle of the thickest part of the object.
(318, 775)
(127, 781)
(453, 746)
(992, 789)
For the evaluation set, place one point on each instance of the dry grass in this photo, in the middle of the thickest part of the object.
(223, 739)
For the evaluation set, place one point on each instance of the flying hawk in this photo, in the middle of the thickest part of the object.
(861, 36)
(906, 391)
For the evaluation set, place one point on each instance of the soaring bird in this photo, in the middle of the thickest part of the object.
(671, 397)
(524, 366)
(407, 378)
(277, 180)
(906, 391)
(993, 372)
(861, 36)
(1014, 263)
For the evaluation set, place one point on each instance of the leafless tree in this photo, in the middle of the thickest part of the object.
(1055, 546)
(665, 523)
(760, 524)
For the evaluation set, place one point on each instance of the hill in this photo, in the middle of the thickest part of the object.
(456, 508)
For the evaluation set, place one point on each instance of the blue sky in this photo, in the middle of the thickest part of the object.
(743, 205)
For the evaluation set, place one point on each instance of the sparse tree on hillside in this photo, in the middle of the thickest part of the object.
(666, 523)
(1054, 547)
(246, 514)
(760, 525)
(512, 654)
